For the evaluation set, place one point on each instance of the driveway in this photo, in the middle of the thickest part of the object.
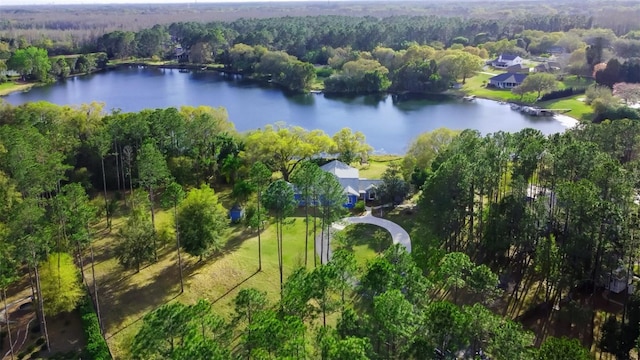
(398, 234)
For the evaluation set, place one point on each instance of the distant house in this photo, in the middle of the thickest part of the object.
(619, 281)
(556, 50)
(518, 68)
(535, 192)
(548, 67)
(503, 61)
(507, 80)
(355, 188)
(181, 54)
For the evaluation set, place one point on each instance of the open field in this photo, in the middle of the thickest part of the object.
(376, 166)
(365, 240)
(578, 109)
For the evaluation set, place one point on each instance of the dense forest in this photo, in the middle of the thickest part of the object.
(402, 54)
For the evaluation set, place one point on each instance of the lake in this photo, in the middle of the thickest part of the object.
(388, 125)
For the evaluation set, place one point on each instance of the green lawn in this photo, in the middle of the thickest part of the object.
(477, 86)
(376, 166)
(10, 86)
(365, 240)
(126, 296)
(574, 82)
(578, 109)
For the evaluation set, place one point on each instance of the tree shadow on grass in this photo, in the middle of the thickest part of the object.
(125, 300)
(192, 265)
(374, 237)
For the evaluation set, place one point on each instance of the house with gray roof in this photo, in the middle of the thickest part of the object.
(504, 61)
(507, 80)
(355, 187)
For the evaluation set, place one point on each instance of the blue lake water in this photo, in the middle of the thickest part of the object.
(388, 125)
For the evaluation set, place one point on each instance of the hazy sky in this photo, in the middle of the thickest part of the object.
(56, 2)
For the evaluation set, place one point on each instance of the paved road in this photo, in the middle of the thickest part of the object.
(398, 234)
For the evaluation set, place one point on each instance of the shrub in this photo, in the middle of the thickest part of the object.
(97, 348)
(359, 207)
(562, 93)
(324, 71)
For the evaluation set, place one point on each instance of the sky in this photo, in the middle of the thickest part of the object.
(62, 2)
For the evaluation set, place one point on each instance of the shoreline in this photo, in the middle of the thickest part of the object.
(17, 88)
(566, 120)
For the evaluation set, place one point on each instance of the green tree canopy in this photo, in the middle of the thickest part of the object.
(202, 222)
(31, 62)
(60, 282)
(539, 83)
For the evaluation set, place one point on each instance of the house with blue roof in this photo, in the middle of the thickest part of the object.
(507, 80)
(504, 61)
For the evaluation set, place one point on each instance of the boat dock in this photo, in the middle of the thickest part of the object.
(535, 111)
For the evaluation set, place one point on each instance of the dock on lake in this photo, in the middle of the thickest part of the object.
(534, 111)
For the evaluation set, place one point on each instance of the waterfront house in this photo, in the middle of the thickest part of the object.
(507, 80)
(355, 187)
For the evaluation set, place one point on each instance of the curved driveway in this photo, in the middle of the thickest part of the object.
(398, 234)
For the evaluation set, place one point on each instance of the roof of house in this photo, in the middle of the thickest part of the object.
(556, 49)
(341, 170)
(368, 184)
(349, 178)
(507, 57)
(507, 77)
(517, 67)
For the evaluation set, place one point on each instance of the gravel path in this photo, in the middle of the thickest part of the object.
(398, 234)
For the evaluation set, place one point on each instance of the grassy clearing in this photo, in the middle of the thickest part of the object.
(126, 296)
(376, 166)
(578, 108)
(365, 240)
(574, 82)
(12, 86)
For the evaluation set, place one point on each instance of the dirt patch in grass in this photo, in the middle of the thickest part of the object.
(66, 334)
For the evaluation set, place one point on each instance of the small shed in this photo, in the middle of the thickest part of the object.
(236, 213)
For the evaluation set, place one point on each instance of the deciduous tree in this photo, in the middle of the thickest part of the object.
(350, 146)
(135, 245)
(539, 83)
(283, 147)
(202, 222)
(31, 62)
